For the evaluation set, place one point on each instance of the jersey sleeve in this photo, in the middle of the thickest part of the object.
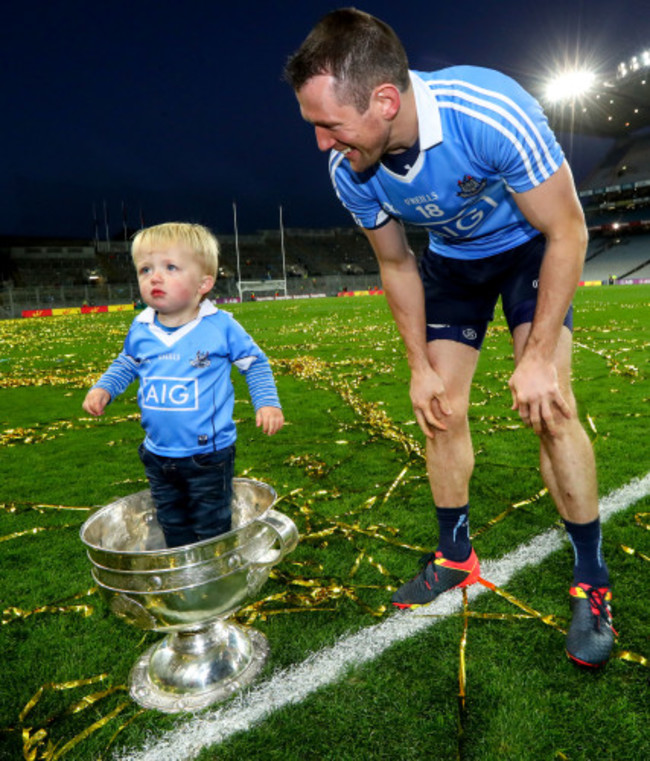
(356, 194)
(119, 376)
(253, 364)
(515, 140)
(261, 385)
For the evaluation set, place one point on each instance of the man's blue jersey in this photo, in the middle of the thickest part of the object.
(481, 137)
(186, 395)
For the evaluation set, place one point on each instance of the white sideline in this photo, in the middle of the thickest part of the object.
(294, 684)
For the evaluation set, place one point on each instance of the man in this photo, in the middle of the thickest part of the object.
(467, 154)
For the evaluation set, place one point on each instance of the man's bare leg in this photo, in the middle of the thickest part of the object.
(568, 468)
(567, 460)
(450, 461)
(450, 456)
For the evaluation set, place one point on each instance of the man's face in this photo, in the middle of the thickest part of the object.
(362, 138)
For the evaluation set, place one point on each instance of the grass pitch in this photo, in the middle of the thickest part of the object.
(348, 468)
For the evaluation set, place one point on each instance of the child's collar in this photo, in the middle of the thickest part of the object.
(207, 307)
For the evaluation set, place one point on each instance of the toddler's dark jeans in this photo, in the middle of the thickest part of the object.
(192, 494)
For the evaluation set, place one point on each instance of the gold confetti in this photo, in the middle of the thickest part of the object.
(490, 524)
(305, 586)
(14, 614)
(632, 551)
(625, 655)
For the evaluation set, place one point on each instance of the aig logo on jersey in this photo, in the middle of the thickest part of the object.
(171, 394)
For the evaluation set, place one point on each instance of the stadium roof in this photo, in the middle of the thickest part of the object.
(612, 106)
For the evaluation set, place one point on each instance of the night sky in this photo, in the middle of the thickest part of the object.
(175, 110)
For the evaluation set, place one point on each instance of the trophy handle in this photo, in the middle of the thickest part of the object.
(286, 535)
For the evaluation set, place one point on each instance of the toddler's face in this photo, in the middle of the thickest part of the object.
(172, 282)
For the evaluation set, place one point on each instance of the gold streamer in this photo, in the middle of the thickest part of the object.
(635, 553)
(12, 613)
(321, 591)
(549, 619)
(462, 670)
(33, 739)
(316, 592)
(462, 679)
(395, 484)
(640, 518)
(490, 524)
(40, 507)
(615, 367)
(33, 531)
(37, 434)
(626, 655)
(88, 731)
(121, 728)
(57, 687)
(371, 414)
(18, 534)
(312, 467)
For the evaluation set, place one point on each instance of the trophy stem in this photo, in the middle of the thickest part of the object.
(192, 669)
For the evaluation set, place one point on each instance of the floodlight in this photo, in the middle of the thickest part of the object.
(569, 85)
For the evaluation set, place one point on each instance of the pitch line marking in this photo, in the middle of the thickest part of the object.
(324, 667)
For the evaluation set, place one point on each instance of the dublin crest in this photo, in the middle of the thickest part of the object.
(470, 186)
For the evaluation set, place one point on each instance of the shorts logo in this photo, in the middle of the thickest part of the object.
(469, 186)
(469, 334)
(171, 394)
(535, 284)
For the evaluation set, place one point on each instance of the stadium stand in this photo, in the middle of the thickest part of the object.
(616, 193)
(618, 257)
(37, 273)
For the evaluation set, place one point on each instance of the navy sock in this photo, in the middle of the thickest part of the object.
(590, 567)
(454, 540)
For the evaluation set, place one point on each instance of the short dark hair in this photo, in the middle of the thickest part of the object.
(358, 50)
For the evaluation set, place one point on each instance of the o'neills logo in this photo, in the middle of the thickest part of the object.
(469, 186)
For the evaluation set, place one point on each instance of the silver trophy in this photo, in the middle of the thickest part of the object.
(189, 592)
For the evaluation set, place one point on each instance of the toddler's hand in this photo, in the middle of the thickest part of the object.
(270, 418)
(96, 401)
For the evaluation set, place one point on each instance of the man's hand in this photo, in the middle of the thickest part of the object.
(270, 419)
(96, 401)
(429, 399)
(537, 396)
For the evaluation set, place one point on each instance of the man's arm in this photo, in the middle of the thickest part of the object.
(554, 209)
(405, 295)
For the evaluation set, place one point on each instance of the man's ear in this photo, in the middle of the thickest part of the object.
(388, 99)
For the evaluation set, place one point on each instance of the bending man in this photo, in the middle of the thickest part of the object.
(467, 154)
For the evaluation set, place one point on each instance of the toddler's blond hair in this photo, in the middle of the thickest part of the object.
(196, 238)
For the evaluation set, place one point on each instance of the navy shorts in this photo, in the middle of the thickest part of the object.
(460, 294)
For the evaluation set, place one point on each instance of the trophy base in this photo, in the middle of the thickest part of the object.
(190, 670)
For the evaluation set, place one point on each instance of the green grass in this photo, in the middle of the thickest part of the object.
(338, 467)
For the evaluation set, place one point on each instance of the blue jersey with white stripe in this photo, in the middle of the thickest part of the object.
(482, 136)
(186, 395)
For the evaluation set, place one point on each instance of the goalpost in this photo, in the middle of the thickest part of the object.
(260, 286)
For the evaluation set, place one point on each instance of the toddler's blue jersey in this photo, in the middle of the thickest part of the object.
(482, 136)
(186, 395)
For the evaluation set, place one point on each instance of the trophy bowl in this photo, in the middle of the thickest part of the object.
(189, 592)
